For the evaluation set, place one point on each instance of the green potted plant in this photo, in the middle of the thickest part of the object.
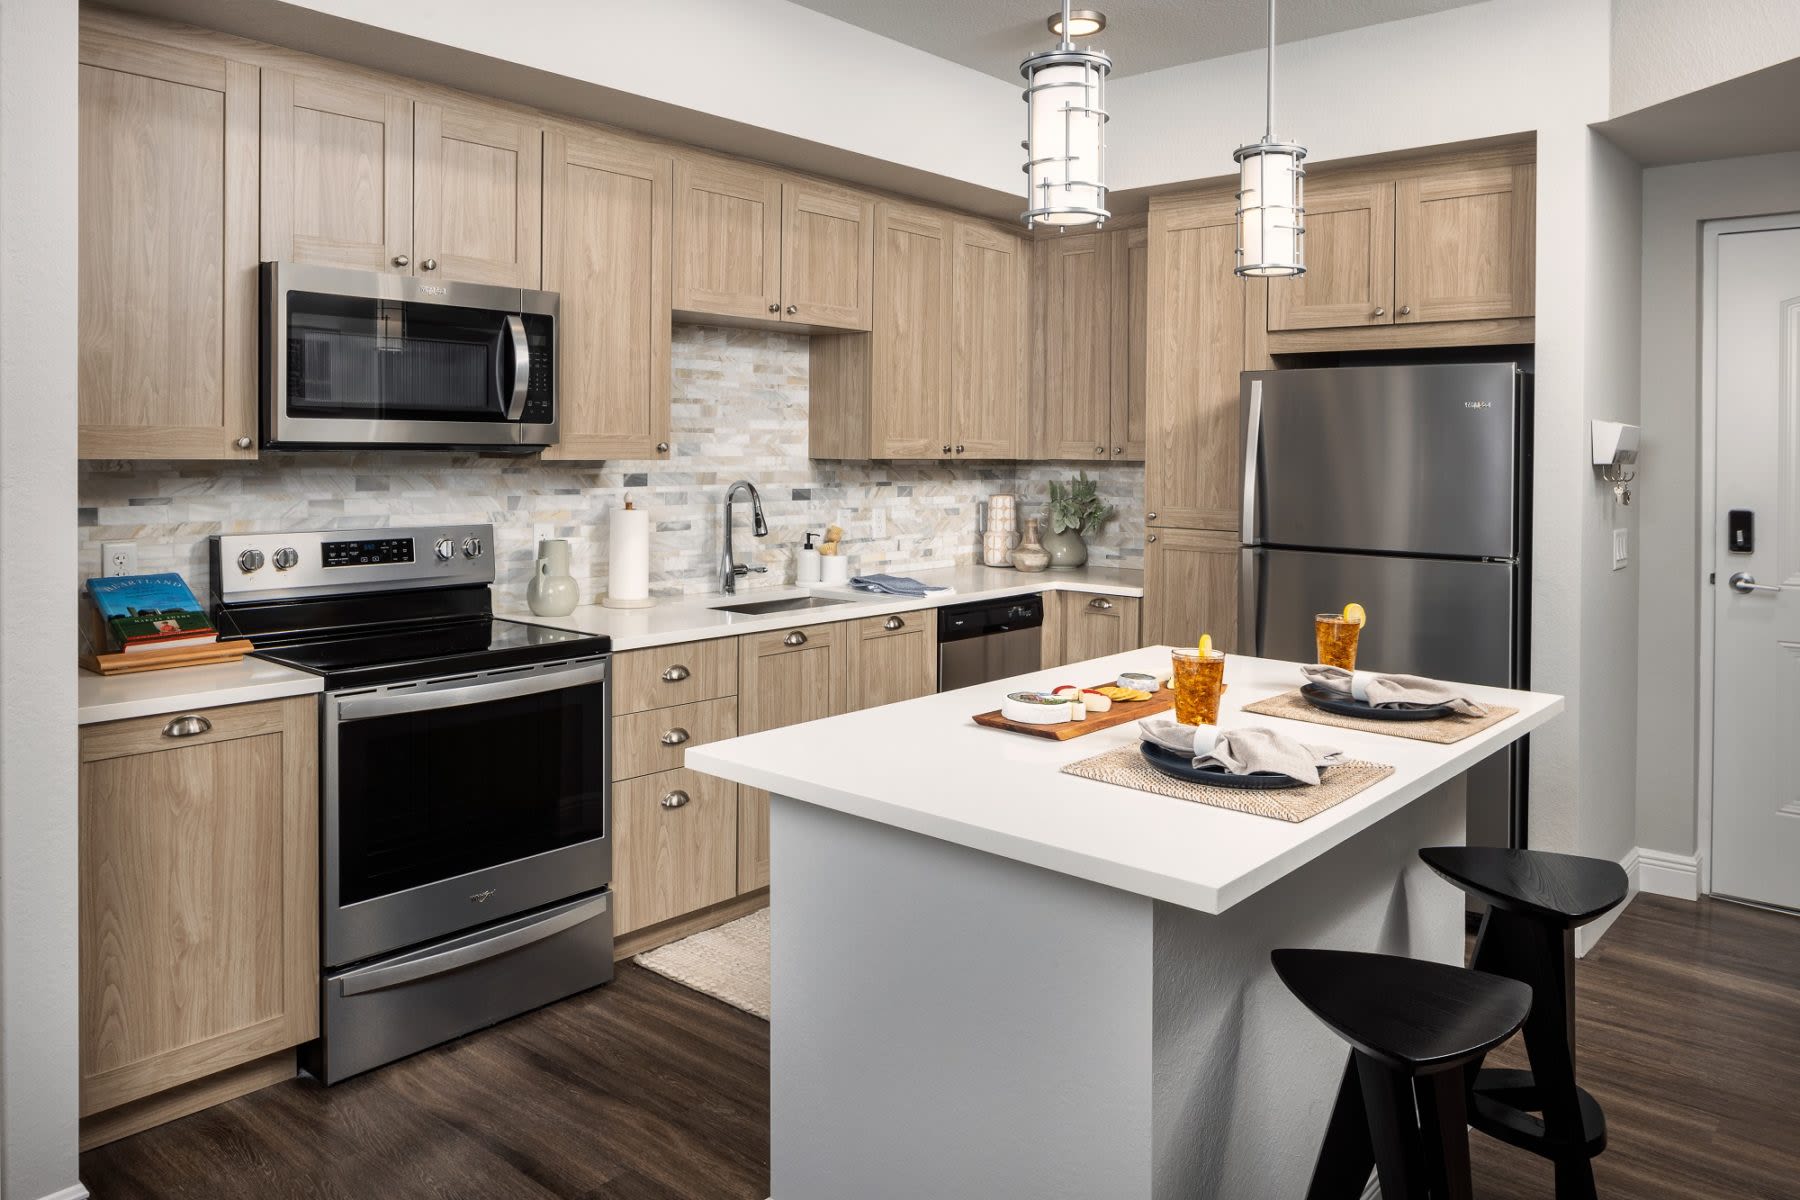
(1075, 508)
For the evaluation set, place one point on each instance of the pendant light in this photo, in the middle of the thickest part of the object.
(1065, 144)
(1271, 213)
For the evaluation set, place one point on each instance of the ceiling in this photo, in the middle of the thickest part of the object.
(1141, 35)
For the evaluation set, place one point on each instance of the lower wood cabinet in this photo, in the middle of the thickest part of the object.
(674, 846)
(893, 658)
(199, 874)
(1190, 587)
(1079, 626)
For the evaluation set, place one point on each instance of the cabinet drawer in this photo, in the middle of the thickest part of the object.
(665, 675)
(674, 846)
(658, 740)
(896, 624)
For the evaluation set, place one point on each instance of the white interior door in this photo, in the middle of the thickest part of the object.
(1756, 664)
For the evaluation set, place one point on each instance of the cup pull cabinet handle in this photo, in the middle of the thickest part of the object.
(1100, 604)
(675, 674)
(675, 736)
(191, 725)
(675, 799)
(795, 638)
(893, 623)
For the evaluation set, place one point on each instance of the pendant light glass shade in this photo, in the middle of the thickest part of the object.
(1065, 144)
(1271, 206)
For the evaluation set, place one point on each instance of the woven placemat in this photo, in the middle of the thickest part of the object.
(1443, 731)
(1126, 767)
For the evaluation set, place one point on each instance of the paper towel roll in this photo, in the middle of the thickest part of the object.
(628, 560)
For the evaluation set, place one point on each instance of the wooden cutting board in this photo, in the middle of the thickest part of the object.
(1120, 714)
(160, 660)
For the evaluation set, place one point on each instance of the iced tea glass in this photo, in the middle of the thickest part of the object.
(1199, 681)
(1337, 640)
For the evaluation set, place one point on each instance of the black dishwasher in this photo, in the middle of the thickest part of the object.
(989, 639)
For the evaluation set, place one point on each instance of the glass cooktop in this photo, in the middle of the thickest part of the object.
(429, 651)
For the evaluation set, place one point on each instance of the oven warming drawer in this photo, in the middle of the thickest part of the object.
(384, 1010)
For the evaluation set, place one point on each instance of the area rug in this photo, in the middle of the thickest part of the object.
(729, 963)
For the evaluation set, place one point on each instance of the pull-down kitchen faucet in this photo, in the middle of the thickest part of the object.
(729, 567)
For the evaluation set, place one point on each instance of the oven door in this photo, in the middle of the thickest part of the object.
(453, 803)
(357, 358)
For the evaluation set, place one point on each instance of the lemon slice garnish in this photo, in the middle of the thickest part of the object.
(1354, 613)
(1205, 644)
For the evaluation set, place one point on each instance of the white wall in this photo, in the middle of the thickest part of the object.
(37, 637)
(1676, 202)
(1662, 49)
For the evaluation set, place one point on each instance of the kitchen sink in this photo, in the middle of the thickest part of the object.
(757, 608)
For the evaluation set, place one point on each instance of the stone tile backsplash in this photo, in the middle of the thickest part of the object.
(739, 412)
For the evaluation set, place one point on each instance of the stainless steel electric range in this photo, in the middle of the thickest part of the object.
(465, 780)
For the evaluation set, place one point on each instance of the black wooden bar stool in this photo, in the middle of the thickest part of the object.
(1413, 1027)
(1536, 900)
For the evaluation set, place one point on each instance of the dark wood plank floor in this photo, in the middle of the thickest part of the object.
(1689, 1035)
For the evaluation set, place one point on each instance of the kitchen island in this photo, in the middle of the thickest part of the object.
(994, 979)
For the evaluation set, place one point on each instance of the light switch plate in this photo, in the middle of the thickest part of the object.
(1621, 549)
(118, 558)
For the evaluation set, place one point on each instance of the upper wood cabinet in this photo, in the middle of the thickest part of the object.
(990, 332)
(337, 172)
(1424, 245)
(168, 252)
(199, 875)
(1197, 345)
(910, 359)
(1092, 304)
(477, 194)
(607, 203)
(1191, 588)
(751, 245)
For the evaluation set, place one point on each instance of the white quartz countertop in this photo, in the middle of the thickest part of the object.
(925, 766)
(181, 689)
(697, 618)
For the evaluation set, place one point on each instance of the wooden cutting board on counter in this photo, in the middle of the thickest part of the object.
(1120, 714)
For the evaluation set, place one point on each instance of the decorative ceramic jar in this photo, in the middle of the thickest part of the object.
(1067, 550)
(552, 591)
(1030, 554)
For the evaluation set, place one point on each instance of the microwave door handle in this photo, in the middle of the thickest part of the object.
(521, 360)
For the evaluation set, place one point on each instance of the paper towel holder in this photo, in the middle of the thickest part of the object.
(614, 550)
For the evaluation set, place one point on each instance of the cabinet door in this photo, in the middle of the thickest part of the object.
(1194, 354)
(785, 677)
(199, 870)
(893, 658)
(606, 251)
(1349, 278)
(911, 368)
(989, 338)
(674, 846)
(1077, 315)
(1464, 244)
(827, 256)
(1130, 313)
(1190, 587)
(477, 195)
(1095, 627)
(727, 239)
(168, 253)
(337, 173)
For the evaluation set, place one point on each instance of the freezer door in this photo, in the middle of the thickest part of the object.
(1401, 460)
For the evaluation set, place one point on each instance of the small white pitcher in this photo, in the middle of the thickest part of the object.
(552, 592)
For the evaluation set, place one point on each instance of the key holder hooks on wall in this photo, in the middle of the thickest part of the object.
(1615, 454)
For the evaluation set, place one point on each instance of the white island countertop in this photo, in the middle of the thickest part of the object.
(924, 766)
(698, 618)
(179, 689)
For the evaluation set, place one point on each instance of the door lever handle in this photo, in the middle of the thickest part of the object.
(1744, 584)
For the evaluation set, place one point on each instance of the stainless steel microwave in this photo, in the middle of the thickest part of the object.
(360, 359)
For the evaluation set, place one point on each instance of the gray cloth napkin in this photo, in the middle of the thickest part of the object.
(894, 585)
(1244, 751)
(1397, 691)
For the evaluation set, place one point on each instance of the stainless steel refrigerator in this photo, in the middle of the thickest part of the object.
(1406, 489)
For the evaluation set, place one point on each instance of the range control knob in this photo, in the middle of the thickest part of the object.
(471, 547)
(286, 557)
(250, 560)
(445, 549)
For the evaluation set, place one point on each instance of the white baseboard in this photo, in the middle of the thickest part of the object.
(1589, 935)
(73, 1192)
(1663, 874)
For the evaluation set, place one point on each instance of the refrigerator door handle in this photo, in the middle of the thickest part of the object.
(1251, 588)
(1252, 448)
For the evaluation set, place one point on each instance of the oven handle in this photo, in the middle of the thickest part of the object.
(363, 708)
(375, 979)
(521, 352)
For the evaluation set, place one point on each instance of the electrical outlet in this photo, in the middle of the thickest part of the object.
(1621, 549)
(118, 558)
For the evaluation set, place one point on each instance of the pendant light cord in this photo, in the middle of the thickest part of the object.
(1268, 78)
(1068, 42)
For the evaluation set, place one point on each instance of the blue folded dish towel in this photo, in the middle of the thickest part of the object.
(894, 585)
